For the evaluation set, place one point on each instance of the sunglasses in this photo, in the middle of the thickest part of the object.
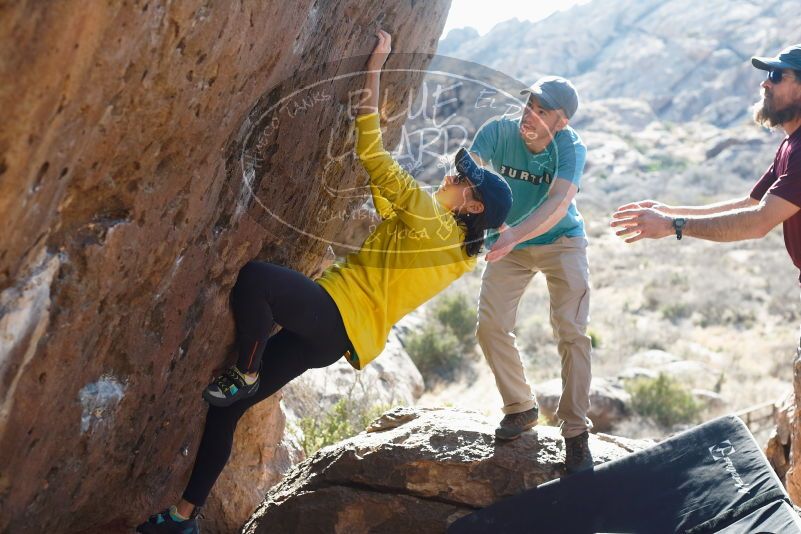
(777, 75)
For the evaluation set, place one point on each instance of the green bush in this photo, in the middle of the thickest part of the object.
(666, 162)
(595, 338)
(675, 311)
(458, 313)
(664, 400)
(434, 350)
(346, 418)
(439, 347)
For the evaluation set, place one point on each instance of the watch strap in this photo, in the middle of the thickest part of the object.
(678, 226)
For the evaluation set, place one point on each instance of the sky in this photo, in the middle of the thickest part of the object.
(483, 15)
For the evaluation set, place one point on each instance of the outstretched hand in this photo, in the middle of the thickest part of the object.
(641, 223)
(381, 51)
(645, 204)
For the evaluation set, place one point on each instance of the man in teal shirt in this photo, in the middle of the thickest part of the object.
(542, 159)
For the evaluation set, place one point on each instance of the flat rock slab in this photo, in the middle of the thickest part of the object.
(416, 470)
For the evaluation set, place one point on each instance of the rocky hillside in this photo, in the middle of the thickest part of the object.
(687, 60)
(148, 150)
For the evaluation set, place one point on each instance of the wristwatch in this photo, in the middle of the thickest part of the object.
(678, 225)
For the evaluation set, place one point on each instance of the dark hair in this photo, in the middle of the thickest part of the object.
(474, 227)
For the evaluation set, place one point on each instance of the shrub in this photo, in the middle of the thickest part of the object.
(595, 338)
(534, 334)
(439, 347)
(434, 349)
(664, 400)
(346, 418)
(456, 312)
(675, 311)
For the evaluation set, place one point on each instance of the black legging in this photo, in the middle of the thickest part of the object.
(312, 335)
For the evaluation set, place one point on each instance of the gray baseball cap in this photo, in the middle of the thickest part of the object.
(789, 58)
(555, 92)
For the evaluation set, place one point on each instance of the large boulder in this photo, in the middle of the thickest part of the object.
(609, 402)
(784, 447)
(261, 454)
(416, 470)
(778, 447)
(143, 161)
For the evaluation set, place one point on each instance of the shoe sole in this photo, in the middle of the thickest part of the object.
(146, 528)
(228, 401)
(515, 436)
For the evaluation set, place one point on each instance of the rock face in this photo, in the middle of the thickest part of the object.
(416, 470)
(262, 453)
(784, 447)
(778, 447)
(146, 154)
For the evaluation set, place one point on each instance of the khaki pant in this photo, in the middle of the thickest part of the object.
(564, 264)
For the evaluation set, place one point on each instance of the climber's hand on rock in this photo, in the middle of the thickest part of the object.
(381, 51)
(369, 102)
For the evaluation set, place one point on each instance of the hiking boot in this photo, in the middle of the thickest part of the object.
(229, 387)
(577, 453)
(514, 424)
(163, 523)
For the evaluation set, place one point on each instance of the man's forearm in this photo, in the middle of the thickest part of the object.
(734, 225)
(709, 209)
(543, 219)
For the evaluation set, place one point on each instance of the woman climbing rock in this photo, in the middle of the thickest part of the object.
(423, 243)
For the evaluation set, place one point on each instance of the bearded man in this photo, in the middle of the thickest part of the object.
(774, 199)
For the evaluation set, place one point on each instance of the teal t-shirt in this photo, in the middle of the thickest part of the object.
(530, 175)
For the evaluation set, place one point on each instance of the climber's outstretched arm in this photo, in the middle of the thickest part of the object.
(369, 101)
(387, 179)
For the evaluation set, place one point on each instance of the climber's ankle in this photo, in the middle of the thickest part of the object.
(185, 508)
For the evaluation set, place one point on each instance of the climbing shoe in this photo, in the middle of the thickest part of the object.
(577, 453)
(514, 424)
(164, 523)
(229, 387)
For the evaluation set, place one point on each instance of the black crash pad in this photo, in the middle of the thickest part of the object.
(711, 478)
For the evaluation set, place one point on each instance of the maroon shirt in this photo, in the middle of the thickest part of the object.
(783, 179)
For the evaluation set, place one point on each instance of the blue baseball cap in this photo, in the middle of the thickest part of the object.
(789, 58)
(555, 92)
(495, 192)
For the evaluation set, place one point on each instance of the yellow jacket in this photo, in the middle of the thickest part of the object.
(414, 253)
